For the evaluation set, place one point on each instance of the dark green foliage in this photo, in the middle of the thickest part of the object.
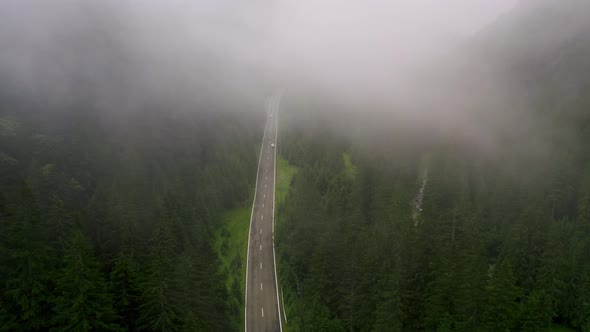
(125, 289)
(27, 275)
(503, 299)
(537, 312)
(112, 228)
(82, 302)
(501, 244)
(158, 309)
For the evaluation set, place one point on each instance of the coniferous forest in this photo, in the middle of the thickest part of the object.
(107, 226)
(396, 225)
(462, 205)
(492, 247)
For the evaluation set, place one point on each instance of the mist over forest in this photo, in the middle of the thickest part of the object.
(432, 164)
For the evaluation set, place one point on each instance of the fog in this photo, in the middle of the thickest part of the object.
(401, 59)
(372, 45)
(206, 45)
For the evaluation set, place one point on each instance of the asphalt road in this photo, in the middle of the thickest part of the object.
(262, 300)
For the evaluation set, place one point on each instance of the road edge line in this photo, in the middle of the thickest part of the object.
(250, 226)
(273, 211)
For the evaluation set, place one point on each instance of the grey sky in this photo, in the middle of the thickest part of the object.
(457, 16)
(372, 44)
(329, 41)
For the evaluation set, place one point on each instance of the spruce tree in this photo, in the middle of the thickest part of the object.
(502, 307)
(125, 290)
(83, 302)
(158, 310)
(27, 295)
(388, 313)
(537, 312)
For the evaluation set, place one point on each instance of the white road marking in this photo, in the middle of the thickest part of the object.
(276, 124)
(283, 300)
(261, 217)
(270, 132)
(266, 126)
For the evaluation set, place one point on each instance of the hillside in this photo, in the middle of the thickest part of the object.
(500, 240)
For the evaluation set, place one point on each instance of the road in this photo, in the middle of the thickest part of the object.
(262, 304)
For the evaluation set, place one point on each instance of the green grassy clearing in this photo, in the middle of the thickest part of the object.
(231, 239)
(349, 167)
(231, 246)
(285, 174)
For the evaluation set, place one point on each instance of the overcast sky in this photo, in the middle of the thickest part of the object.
(457, 16)
(368, 42)
(330, 41)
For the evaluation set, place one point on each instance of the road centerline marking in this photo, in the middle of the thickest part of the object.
(258, 300)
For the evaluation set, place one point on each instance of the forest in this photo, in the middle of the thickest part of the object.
(107, 219)
(491, 249)
(394, 225)
(454, 200)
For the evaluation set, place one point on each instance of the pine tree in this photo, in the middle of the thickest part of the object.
(581, 312)
(60, 222)
(194, 297)
(158, 310)
(441, 290)
(124, 287)
(502, 307)
(469, 298)
(7, 322)
(537, 312)
(388, 312)
(27, 293)
(83, 302)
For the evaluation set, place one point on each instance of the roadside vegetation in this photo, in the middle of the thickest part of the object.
(119, 225)
(285, 174)
(231, 245)
(485, 255)
(500, 239)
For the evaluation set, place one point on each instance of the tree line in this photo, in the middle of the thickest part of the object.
(107, 218)
(501, 243)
